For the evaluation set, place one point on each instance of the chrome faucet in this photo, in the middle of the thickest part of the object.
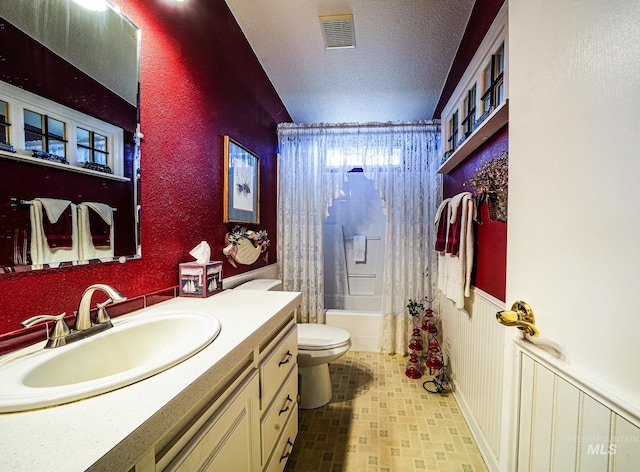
(60, 334)
(83, 315)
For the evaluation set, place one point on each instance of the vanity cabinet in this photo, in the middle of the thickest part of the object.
(233, 406)
(250, 425)
(279, 401)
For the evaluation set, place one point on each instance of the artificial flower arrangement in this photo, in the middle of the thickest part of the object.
(491, 183)
(245, 246)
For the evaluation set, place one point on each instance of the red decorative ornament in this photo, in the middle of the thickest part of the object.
(413, 370)
(434, 359)
(415, 341)
(430, 327)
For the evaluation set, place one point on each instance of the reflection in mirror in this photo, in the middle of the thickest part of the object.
(69, 127)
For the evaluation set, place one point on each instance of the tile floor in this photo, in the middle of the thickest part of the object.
(380, 420)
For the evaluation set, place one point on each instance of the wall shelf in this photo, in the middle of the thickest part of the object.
(65, 167)
(485, 130)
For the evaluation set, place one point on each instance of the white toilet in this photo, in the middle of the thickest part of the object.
(318, 344)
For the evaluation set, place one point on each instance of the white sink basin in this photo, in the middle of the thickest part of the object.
(136, 348)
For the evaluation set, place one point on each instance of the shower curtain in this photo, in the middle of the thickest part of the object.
(400, 159)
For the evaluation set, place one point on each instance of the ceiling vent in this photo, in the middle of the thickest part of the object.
(338, 31)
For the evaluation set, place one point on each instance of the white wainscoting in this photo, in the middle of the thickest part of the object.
(474, 345)
(568, 423)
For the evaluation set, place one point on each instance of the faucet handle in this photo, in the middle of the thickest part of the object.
(60, 328)
(102, 316)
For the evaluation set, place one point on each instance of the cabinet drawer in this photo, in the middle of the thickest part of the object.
(285, 444)
(276, 366)
(276, 417)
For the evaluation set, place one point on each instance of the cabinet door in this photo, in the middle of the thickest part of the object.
(229, 440)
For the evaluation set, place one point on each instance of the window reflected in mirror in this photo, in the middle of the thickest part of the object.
(68, 122)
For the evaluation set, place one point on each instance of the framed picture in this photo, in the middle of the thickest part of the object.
(241, 184)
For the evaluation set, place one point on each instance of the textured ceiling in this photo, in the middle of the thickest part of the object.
(404, 49)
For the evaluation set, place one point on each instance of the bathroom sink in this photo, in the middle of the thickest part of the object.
(137, 347)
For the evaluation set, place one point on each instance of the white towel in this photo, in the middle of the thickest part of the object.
(439, 211)
(454, 271)
(87, 250)
(359, 248)
(51, 209)
(105, 211)
(456, 200)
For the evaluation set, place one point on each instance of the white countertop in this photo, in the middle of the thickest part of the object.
(76, 436)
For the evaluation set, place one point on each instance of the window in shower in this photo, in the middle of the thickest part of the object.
(352, 157)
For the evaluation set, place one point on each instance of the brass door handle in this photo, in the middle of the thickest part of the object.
(521, 316)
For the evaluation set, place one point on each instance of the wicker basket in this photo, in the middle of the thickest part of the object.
(497, 205)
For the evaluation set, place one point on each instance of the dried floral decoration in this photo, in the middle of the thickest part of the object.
(492, 177)
(490, 184)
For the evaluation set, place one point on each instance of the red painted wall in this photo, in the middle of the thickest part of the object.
(199, 81)
(490, 264)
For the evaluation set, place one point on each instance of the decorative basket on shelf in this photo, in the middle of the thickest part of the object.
(497, 205)
(491, 184)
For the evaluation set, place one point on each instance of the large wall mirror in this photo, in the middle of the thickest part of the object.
(69, 134)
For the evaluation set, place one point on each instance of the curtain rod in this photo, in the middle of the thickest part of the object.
(390, 124)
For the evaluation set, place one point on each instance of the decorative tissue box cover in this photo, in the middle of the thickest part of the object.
(200, 280)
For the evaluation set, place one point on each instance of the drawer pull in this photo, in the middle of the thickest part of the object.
(286, 408)
(288, 453)
(286, 360)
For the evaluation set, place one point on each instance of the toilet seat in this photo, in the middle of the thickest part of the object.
(319, 337)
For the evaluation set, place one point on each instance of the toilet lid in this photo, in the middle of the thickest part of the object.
(313, 336)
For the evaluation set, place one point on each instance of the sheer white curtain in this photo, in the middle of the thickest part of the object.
(401, 160)
(301, 211)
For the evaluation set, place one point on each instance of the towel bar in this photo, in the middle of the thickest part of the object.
(16, 202)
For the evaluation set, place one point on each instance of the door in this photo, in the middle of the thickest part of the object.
(574, 234)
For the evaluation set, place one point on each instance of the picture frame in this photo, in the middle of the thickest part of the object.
(241, 184)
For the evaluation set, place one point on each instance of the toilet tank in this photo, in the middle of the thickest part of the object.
(261, 284)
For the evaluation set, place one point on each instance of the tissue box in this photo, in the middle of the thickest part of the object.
(200, 280)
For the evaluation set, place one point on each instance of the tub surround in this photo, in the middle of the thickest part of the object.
(364, 327)
(116, 430)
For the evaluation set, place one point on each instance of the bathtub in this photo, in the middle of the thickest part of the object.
(364, 327)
